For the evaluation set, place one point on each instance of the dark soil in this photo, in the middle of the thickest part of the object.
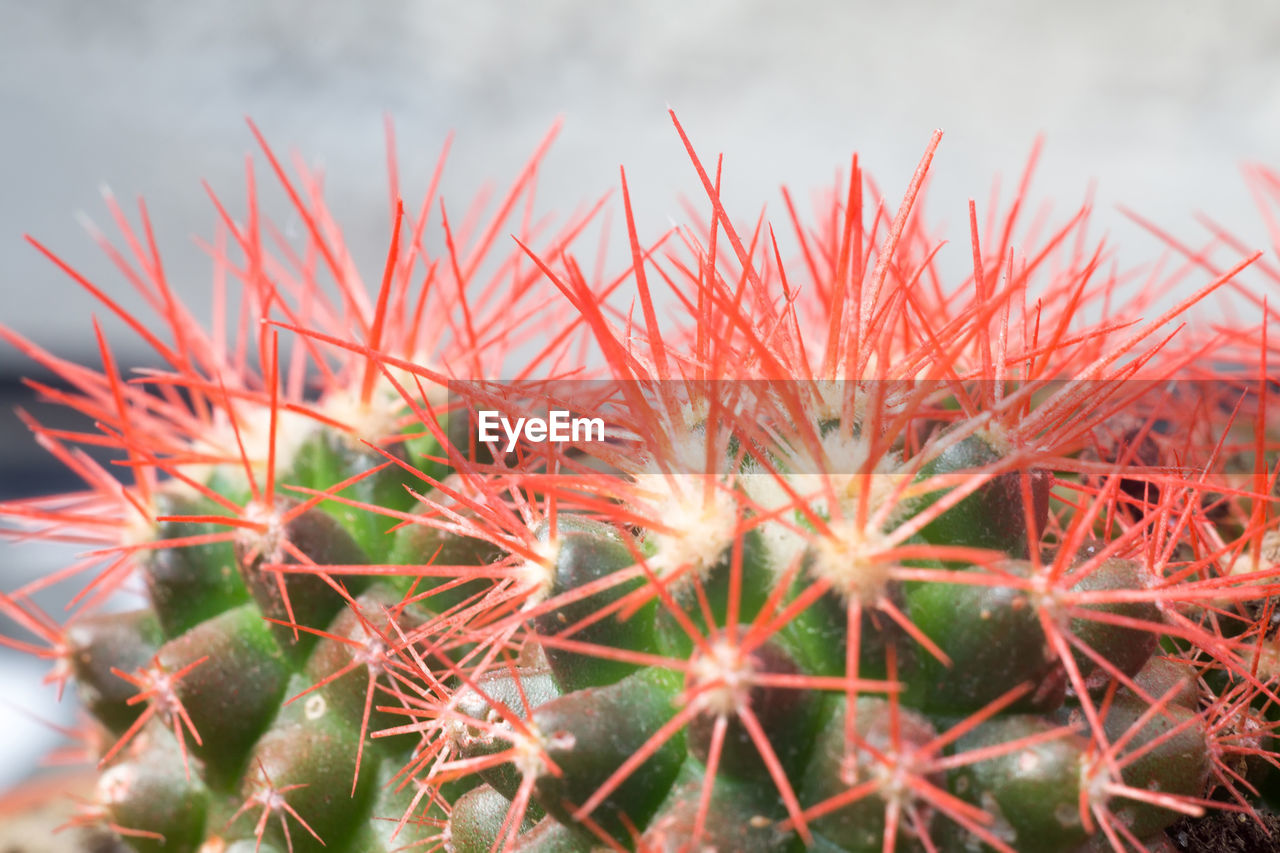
(1227, 832)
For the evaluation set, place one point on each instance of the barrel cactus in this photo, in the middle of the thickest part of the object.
(855, 560)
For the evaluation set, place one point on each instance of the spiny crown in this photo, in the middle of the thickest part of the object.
(867, 564)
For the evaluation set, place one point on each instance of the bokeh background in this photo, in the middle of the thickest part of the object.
(1153, 103)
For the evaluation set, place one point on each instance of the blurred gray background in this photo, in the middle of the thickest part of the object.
(1158, 101)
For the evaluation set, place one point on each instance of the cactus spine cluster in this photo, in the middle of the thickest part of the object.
(866, 562)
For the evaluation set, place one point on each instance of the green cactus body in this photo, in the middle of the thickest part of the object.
(272, 693)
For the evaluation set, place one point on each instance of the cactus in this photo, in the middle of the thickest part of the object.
(860, 563)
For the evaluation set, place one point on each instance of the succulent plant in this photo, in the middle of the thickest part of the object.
(858, 561)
